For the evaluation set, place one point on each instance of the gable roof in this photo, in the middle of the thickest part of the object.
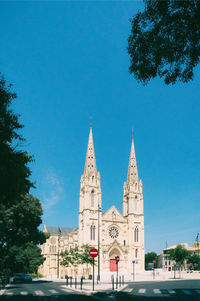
(109, 215)
(57, 230)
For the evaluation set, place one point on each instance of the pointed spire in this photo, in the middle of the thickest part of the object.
(132, 168)
(90, 161)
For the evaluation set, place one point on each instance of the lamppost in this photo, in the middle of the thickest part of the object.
(58, 267)
(98, 276)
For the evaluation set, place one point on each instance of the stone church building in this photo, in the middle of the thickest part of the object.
(116, 234)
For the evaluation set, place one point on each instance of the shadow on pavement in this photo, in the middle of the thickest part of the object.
(70, 297)
(31, 282)
(178, 297)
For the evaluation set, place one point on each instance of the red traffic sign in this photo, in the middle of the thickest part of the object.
(93, 252)
(117, 258)
(154, 261)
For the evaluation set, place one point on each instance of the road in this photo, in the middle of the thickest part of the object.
(41, 291)
(177, 290)
(161, 290)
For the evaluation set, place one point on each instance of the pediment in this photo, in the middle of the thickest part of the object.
(116, 248)
(113, 214)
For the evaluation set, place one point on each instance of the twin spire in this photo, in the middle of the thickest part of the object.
(132, 167)
(90, 161)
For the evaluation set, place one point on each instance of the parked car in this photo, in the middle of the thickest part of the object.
(22, 277)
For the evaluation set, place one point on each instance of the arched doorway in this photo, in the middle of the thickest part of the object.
(113, 253)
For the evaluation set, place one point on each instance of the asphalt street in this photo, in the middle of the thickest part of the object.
(161, 290)
(178, 290)
(41, 291)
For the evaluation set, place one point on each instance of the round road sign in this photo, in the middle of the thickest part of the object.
(93, 252)
(154, 261)
(117, 258)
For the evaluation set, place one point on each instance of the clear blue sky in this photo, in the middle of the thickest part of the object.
(69, 64)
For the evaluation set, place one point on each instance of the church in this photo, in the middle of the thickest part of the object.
(112, 233)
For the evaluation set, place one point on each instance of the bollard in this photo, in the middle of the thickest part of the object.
(112, 280)
(122, 279)
(116, 282)
(75, 282)
(119, 281)
(81, 282)
(67, 280)
(71, 281)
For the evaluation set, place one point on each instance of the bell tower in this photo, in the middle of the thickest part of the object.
(132, 198)
(133, 211)
(90, 198)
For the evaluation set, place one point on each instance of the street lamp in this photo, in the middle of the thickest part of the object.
(58, 267)
(98, 276)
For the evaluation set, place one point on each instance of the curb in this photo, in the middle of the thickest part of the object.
(95, 291)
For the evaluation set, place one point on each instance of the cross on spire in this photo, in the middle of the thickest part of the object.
(132, 168)
(90, 161)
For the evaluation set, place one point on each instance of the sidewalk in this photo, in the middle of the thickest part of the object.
(87, 287)
(105, 286)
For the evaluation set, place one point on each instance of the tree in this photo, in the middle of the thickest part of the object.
(20, 212)
(76, 256)
(179, 254)
(26, 258)
(194, 260)
(164, 41)
(84, 254)
(149, 257)
(70, 257)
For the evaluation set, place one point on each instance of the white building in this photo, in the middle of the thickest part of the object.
(119, 234)
(166, 263)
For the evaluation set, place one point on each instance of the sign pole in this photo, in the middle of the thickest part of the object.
(93, 276)
(154, 261)
(117, 271)
(133, 269)
(93, 253)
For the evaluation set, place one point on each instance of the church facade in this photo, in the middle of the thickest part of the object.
(112, 233)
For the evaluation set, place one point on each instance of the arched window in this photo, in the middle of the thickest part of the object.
(135, 204)
(127, 205)
(135, 186)
(91, 228)
(92, 198)
(136, 253)
(93, 232)
(136, 234)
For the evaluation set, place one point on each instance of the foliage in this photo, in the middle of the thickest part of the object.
(36, 275)
(70, 257)
(24, 258)
(20, 212)
(149, 257)
(164, 41)
(194, 260)
(179, 254)
(84, 255)
(76, 256)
